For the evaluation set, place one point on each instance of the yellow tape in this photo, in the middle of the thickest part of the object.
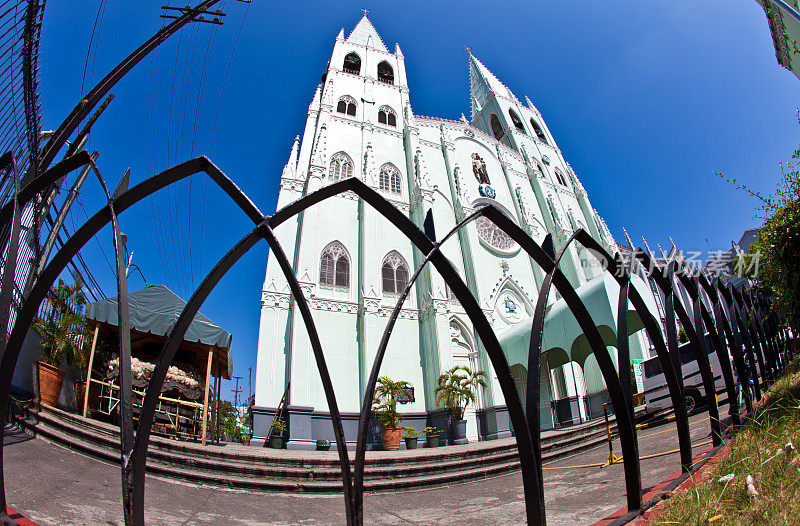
(619, 459)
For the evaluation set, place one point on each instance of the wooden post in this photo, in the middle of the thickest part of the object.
(205, 398)
(216, 410)
(89, 371)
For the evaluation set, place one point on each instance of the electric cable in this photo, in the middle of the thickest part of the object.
(216, 120)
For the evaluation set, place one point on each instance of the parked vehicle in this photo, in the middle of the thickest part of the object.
(657, 395)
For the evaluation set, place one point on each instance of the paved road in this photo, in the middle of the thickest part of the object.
(55, 486)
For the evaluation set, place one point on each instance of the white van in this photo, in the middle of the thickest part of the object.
(655, 383)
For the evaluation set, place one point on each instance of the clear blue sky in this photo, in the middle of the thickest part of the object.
(646, 101)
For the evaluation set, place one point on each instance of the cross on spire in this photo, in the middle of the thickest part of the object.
(469, 50)
(365, 11)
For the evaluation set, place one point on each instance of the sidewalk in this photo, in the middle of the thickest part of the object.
(54, 486)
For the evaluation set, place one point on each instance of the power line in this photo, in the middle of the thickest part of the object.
(100, 11)
(216, 120)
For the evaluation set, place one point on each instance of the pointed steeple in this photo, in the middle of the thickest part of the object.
(365, 34)
(314, 105)
(482, 84)
(340, 36)
(397, 52)
(647, 247)
(291, 167)
(627, 238)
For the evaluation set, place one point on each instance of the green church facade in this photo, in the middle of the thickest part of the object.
(352, 263)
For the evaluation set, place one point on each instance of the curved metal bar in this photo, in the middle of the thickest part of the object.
(653, 329)
(322, 368)
(42, 182)
(706, 372)
(674, 306)
(723, 311)
(369, 392)
(9, 270)
(695, 330)
(625, 424)
(170, 347)
(462, 294)
(125, 373)
(10, 263)
(534, 359)
(714, 328)
(89, 229)
(623, 343)
(88, 102)
(759, 345)
(750, 339)
(742, 336)
(770, 359)
(776, 334)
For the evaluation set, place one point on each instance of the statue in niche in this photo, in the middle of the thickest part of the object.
(479, 169)
(511, 305)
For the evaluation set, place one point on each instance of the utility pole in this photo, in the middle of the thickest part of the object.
(250, 385)
(236, 395)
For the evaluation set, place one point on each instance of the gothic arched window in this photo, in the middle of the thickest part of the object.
(385, 73)
(394, 273)
(352, 64)
(341, 167)
(347, 105)
(389, 178)
(561, 179)
(334, 266)
(386, 115)
(497, 128)
(539, 132)
(515, 120)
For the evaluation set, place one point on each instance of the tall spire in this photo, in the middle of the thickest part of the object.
(627, 239)
(482, 84)
(365, 34)
(291, 167)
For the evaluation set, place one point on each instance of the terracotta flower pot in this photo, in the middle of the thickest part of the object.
(390, 438)
(50, 381)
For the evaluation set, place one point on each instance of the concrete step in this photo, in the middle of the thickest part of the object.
(308, 471)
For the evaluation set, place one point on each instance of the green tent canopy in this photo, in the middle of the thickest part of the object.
(155, 310)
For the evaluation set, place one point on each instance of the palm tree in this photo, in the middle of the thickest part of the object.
(457, 388)
(387, 392)
(63, 331)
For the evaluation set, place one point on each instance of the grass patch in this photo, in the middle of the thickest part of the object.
(758, 450)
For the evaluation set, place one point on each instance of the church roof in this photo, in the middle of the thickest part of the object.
(365, 34)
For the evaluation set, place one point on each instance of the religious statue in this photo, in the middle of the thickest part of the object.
(479, 168)
(511, 305)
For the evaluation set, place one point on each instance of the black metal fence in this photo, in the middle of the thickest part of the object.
(739, 322)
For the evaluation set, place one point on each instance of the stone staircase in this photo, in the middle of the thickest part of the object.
(261, 469)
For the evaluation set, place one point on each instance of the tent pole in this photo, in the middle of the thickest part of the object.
(216, 408)
(205, 399)
(89, 370)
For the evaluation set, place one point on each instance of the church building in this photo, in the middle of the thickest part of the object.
(352, 264)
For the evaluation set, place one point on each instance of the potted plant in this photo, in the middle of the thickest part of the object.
(276, 433)
(456, 389)
(64, 336)
(385, 407)
(432, 435)
(410, 435)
